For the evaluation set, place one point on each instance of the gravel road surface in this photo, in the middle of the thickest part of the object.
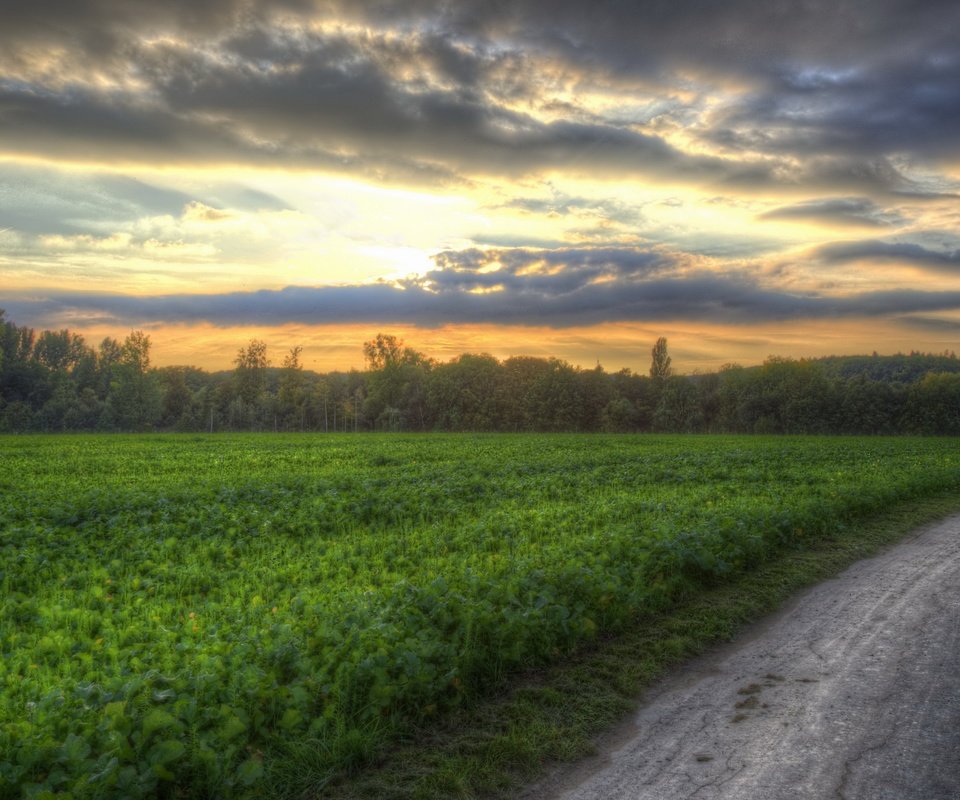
(851, 692)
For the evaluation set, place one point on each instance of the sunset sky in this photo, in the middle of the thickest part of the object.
(527, 177)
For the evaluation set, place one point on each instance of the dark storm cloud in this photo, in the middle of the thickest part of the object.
(86, 126)
(876, 175)
(81, 121)
(566, 288)
(737, 31)
(836, 211)
(336, 109)
(94, 25)
(740, 32)
(515, 266)
(901, 252)
(826, 78)
(340, 91)
(432, 89)
(901, 102)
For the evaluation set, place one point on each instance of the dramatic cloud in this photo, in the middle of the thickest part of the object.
(852, 211)
(556, 289)
(320, 116)
(480, 89)
(903, 252)
(540, 272)
(435, 163)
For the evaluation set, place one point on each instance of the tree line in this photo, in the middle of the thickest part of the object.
(53, 381)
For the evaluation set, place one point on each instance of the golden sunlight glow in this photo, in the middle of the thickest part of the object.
(402, 154)
(694, 348)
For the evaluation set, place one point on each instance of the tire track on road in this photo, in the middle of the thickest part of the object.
(852, 691)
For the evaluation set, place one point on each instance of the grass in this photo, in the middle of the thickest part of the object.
(555, 715)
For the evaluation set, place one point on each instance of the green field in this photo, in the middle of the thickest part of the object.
(209, 616)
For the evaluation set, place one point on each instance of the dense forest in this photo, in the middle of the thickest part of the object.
(53, 381)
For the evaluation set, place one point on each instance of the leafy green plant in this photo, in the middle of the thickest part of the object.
(206, 615)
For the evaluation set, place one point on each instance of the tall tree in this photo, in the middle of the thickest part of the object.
(933, 405)
(177, 399)
(22, 378)
(383, 351)
(679, 409)
(250, 382)
(556, 397)
(596, 391)
(59, 350)
(134, 401)
(517, 392)
(395, 384)
(320, 401)
(108, 357)
(291, 396)
(660, 365)
(462, 393)
(250, 374)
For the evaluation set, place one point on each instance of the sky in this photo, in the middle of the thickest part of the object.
(533, 177)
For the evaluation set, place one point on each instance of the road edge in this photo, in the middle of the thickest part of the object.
(550, 718)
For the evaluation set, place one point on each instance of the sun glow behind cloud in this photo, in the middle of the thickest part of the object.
(571, 184)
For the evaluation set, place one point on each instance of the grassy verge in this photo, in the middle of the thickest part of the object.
(553, 715)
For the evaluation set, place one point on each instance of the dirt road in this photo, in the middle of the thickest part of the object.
(851, 692)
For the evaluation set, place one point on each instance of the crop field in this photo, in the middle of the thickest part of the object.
(218, 616)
